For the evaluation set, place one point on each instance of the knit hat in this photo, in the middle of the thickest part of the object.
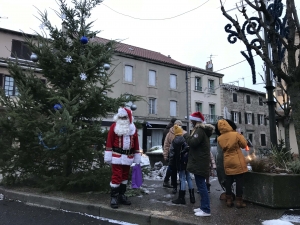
(197, 116)
(178, 130)
(178, 122)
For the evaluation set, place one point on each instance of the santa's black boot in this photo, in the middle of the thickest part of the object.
(122, 198)
(114, 194)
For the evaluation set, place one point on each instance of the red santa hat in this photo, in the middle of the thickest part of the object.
(122, 112)
(197, 116)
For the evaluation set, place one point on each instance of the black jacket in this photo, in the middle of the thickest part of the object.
(177, 152)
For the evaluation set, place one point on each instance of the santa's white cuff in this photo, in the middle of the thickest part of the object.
(137, 158)
(108, 156)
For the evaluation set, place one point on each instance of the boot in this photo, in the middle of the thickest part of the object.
(122, 198)
(114, 194)
(229, 201)
(192, 196)
(240, 203)
(181, 198)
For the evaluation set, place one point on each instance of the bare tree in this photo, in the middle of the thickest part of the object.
(282, 37)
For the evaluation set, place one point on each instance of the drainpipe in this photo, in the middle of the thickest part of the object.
(187, 99)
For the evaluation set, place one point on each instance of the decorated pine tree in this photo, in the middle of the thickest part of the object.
(51, 131)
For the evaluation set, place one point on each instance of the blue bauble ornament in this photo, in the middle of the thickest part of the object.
(84, 40)
(57, 106)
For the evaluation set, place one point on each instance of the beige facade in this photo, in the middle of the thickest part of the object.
(167, 86)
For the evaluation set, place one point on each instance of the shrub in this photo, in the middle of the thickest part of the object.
(294, 166)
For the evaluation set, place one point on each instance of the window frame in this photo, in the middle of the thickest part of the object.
(174, 83)
(196, 106)
(20, 51)
(126, 74)
(149, 78)
(263, 141)
(248, 98)
(173, 114)
(260, 101)
(249, 118)
(152, 106)
(211, 88)
(235, 117)
(14, 91)
(212, 115)
(198, 84)
(234, 96)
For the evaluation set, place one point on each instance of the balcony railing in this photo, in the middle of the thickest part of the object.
(212, 118)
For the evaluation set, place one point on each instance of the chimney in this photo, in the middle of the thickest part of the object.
(209, 65)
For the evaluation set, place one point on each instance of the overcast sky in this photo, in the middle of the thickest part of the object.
(195, 32)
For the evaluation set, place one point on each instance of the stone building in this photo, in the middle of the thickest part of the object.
(249, 112)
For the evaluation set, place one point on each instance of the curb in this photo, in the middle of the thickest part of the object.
(136, 217)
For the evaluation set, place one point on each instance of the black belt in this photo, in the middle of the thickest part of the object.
(121, 151)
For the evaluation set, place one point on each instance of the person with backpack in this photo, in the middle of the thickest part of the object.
(179, 157)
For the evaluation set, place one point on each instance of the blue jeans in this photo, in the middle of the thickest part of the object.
(185, 176)
(205, 201)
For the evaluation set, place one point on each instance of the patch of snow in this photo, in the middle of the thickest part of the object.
(1, 197)
(276, 222)
(291, 218)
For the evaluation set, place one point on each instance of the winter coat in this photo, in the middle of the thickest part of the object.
(231, 143)
(220, 167)
(165, 132)
(178, 149)
(199, 149)
(168, 140)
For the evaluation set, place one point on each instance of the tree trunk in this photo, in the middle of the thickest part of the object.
(286, 124)
(294, 91)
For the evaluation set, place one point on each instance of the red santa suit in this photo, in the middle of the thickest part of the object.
(122, 150)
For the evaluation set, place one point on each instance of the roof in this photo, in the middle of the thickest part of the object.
(134, 51)
(243, 89)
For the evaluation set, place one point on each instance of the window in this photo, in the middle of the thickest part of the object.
(211, 86)
(260, 119)
(152, 77)
(235, 117)
(260, 101)
(152, 105)
(262, 139)
(279, 93)
(20, 50)
(198, 86)
(234, 96)
(9, 86)
(198, 107)
(248, 118)
(250, 137)
(248, 99)
(212, 113)
(1, 80)
(173, 81)
(128, 74)
(173, 108)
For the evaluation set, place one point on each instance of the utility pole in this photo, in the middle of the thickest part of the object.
(270, 100)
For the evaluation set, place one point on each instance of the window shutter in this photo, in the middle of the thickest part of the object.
(240, 117)
(258, 119)
(253, 122)
(246, 121)
(1, 80)
(16, 49)
(232, 116)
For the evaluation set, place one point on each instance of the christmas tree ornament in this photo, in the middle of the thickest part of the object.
(84, 40)
(63, 16)
(106, 66)
(68, 59)
(34, 57)
(83, 76)
(133, 107)
(42, 26)
(57, 106)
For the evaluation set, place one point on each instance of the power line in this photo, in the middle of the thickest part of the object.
(233, 65)
(168, 18)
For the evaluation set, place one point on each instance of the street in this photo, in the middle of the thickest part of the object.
(18, 213)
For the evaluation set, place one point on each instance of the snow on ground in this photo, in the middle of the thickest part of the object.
(276, 222)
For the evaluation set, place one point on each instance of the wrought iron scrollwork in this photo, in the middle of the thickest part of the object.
(252, 26)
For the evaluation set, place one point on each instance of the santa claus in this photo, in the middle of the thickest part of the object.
(122, 149)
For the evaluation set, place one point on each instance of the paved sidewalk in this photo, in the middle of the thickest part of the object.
(153, 208)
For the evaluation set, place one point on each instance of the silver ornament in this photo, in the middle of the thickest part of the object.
(34, 57)
(133, 107)
(106, 66)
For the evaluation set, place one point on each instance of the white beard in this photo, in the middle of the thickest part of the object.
(122, 127)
